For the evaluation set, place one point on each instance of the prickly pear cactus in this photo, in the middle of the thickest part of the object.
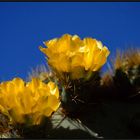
(78, 93)
(127, 72)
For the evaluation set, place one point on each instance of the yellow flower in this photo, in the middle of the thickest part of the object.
(69, 53)
(34, 99)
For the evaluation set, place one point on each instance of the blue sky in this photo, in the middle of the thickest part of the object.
(25, 25)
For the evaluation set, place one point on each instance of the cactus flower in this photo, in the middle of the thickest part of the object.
(72, 55)
(32, 100)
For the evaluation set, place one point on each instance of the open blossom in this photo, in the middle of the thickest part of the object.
(73, 55)
(32, 100)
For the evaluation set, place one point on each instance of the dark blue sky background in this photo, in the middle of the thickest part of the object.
(25, 25)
